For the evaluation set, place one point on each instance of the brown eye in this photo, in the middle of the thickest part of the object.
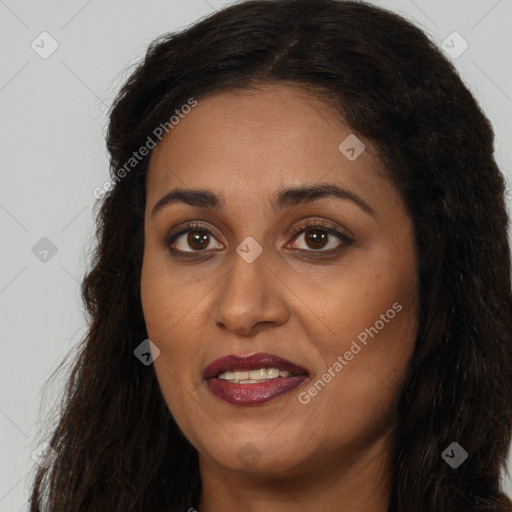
(322, 239)
(198, 239)
(316, 238)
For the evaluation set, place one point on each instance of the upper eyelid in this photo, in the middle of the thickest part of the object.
(188, 227)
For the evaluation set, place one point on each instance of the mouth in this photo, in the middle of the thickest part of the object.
(254, 379)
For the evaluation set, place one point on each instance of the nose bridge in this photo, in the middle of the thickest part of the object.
(246, 281)
(247, 296)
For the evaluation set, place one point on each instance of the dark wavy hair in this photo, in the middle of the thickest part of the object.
(119, 448)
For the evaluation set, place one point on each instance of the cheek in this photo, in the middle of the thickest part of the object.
(166, 301)
(164, 308)
(370, 313)
(377, 298)
(170, 320)
(357, 391)
(175, 318)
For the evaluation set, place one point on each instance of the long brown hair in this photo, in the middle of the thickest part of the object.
(119, 448)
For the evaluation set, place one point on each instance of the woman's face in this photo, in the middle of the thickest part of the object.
(251, 278)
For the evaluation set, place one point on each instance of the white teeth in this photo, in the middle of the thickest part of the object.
(260, 375)
(272, 373)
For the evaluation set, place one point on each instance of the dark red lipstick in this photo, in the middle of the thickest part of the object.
(237, 392)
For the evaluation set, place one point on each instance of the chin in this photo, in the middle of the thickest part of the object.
(255, 456)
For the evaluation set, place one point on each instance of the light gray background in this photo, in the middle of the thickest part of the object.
(52, 157)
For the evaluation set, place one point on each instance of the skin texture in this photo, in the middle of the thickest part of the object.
(332, 453)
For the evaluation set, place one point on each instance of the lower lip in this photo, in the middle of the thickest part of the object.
(255, 393)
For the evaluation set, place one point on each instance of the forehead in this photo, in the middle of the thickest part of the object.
(253, 142)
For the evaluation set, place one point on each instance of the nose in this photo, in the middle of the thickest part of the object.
(251, 297)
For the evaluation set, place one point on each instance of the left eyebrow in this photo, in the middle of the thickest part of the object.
(285, 198)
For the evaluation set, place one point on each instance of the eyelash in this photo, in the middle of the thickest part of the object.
(311, 225)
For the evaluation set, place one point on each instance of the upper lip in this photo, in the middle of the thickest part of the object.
(233, 363)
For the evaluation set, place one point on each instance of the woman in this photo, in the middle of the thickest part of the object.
(300, 298)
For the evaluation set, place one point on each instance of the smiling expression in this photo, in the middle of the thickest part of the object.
(293, 250)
